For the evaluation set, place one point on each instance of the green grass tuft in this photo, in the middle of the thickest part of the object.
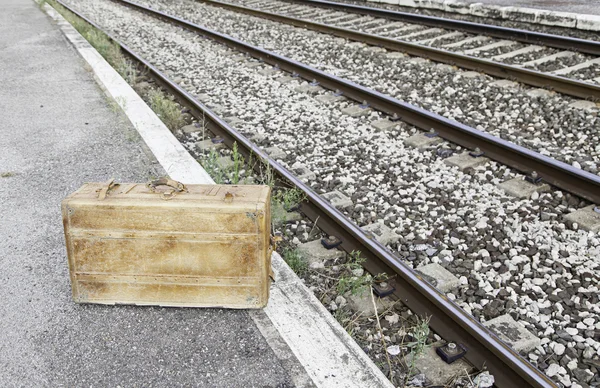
(295, 260)
(168, 111)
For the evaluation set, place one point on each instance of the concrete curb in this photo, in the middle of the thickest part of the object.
(527, 15)
(330, 357)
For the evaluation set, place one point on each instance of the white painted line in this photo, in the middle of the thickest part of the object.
(169, 152)
(549, 58)
(512, 54)
(329, 355)
(492, 46)
(463, 42)
(577, 67)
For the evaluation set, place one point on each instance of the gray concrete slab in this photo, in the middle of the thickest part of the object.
(421, 141)
(276, 153)
(382, 233)
(314, 251)
(356, 111)
(338, 199)
(466, 162)
(435, 369)
(587, 218)
(513, 333)
(520, 188)
(59, 133)
(191, 128)
(329, 98)
(505, 84)
(440, 277)
(207, 145)
(308, 88)
(362, 303)
(384, 124)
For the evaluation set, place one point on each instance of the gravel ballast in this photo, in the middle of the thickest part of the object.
(544, 124)
(412, 33)
(514, 256)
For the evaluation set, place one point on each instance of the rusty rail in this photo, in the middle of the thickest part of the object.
(535, 78)
(525, 36)
(447, 319)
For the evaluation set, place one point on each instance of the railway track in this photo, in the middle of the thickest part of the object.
(567, 65)
(448, 319)
(547, 122)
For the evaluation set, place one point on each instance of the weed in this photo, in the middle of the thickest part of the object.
(266, 175)
(128, 71)
(289, 198)
(348, 281)
(7, 174)
(211, 164)
(295, 260)
(167, 110)
(250, 165)
(238, 164)
(420, 332)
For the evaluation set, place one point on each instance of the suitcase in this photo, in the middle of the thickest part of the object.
(167, 244)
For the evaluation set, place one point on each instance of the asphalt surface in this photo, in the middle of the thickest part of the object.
(590, 7)
(57, 131)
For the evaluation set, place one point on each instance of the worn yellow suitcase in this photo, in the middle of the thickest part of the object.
(167, 244)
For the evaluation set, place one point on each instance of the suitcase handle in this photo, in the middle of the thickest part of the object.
(106, 188)
(178, 186)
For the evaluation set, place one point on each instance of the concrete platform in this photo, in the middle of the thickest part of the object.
(63, 130)
(580, 14)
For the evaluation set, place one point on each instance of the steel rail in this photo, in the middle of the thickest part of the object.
(560, 84)
(525, 36)
(559, 174)
(447, 319)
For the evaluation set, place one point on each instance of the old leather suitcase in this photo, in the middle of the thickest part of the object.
(168, 244)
